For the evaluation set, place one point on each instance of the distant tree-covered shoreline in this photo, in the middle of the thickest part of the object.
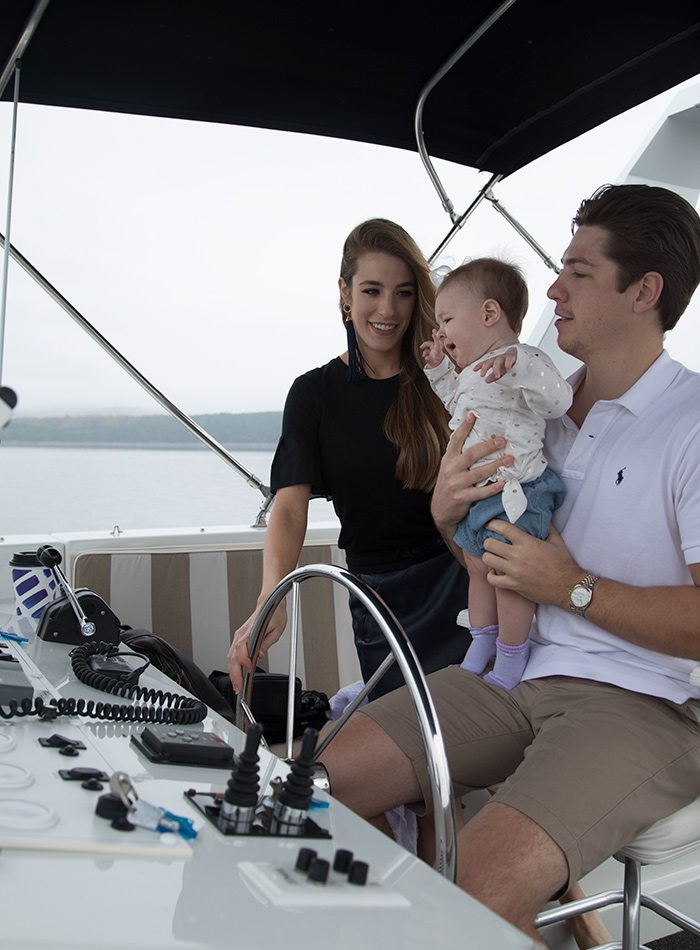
(252, 430)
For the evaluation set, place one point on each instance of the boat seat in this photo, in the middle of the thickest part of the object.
(195, 599)
(667, 840)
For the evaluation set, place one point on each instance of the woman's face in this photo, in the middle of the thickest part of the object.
(382, 296)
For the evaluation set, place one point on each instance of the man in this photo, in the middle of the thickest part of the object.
(602, 712)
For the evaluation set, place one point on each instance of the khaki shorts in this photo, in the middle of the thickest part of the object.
(592, 764)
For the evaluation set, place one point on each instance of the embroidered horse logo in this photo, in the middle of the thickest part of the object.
(620, 476)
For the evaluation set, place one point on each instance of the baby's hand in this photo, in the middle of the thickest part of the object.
(497, 366)
(432, 351)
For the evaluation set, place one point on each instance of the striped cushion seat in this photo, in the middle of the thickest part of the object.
(196, 599)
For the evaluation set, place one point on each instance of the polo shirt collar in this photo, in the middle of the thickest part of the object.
(645, 391)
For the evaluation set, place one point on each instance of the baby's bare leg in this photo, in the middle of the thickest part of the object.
(483, 610)
(515, 615)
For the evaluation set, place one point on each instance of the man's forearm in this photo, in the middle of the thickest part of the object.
(664, 619)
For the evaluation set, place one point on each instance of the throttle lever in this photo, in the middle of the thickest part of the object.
(50, 558)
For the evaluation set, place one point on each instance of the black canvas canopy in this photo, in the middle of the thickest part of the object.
(539, 77)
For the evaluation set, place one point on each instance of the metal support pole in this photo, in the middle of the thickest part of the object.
(8, 214)
(22, 43)
(293, 641)
(169, 406)
(633, 893)
(525, 235)
(461, 220)
(355, 703)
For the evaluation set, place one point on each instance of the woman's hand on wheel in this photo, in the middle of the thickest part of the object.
(238, 658)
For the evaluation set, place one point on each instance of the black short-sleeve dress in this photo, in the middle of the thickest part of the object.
(333, 439)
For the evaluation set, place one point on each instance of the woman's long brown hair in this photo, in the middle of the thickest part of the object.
(417, 421)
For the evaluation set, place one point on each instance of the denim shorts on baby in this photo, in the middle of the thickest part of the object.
(544, 495)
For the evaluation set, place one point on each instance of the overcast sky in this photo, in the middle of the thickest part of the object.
(209, 254)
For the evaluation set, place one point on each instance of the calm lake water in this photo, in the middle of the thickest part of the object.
(85, 489)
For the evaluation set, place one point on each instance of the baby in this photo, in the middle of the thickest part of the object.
(511, 389)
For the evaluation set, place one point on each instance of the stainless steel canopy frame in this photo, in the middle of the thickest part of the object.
(485, 193)
(8, 214)
(14, 65)
(23, 41)
(401, 652)
(464, 47)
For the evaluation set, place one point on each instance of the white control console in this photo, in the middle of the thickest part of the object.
(350, 886)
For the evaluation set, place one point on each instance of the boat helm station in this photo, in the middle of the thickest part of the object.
(179, 827)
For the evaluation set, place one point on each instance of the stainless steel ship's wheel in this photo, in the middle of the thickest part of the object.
(402, 653)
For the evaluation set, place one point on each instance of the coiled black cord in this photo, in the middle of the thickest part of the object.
(171, 708)
(106, 681)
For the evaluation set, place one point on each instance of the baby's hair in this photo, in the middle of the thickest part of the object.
(496, 280)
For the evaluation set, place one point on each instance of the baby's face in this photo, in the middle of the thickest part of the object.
(460, 319)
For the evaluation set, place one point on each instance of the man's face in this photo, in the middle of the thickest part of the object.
(594, 317)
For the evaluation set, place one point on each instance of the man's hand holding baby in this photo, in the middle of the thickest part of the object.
(541, 571)
(456, 487)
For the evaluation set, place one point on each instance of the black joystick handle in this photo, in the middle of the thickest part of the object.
(241, 796)
(297, 789)
(244, 785)
(292, 804)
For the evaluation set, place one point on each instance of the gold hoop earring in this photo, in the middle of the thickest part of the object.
(347, 310)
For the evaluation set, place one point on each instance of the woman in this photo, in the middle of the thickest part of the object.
(367, 431)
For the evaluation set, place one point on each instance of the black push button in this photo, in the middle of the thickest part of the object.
(318, 870)
(304, 858)
(342, 860)
(358, 872)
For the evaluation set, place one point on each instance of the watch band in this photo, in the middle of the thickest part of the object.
(587, 583)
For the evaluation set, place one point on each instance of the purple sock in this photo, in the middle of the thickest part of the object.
(481, 649)
(509, 666)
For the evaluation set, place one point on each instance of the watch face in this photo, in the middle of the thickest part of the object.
(580, 596)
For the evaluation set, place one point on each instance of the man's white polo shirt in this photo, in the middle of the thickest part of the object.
(631, 514)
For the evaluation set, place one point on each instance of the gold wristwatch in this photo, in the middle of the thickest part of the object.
(581, 595)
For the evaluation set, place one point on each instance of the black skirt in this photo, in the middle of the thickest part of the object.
(425, 598)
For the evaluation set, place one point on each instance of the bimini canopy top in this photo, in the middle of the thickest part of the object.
(536, 79)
